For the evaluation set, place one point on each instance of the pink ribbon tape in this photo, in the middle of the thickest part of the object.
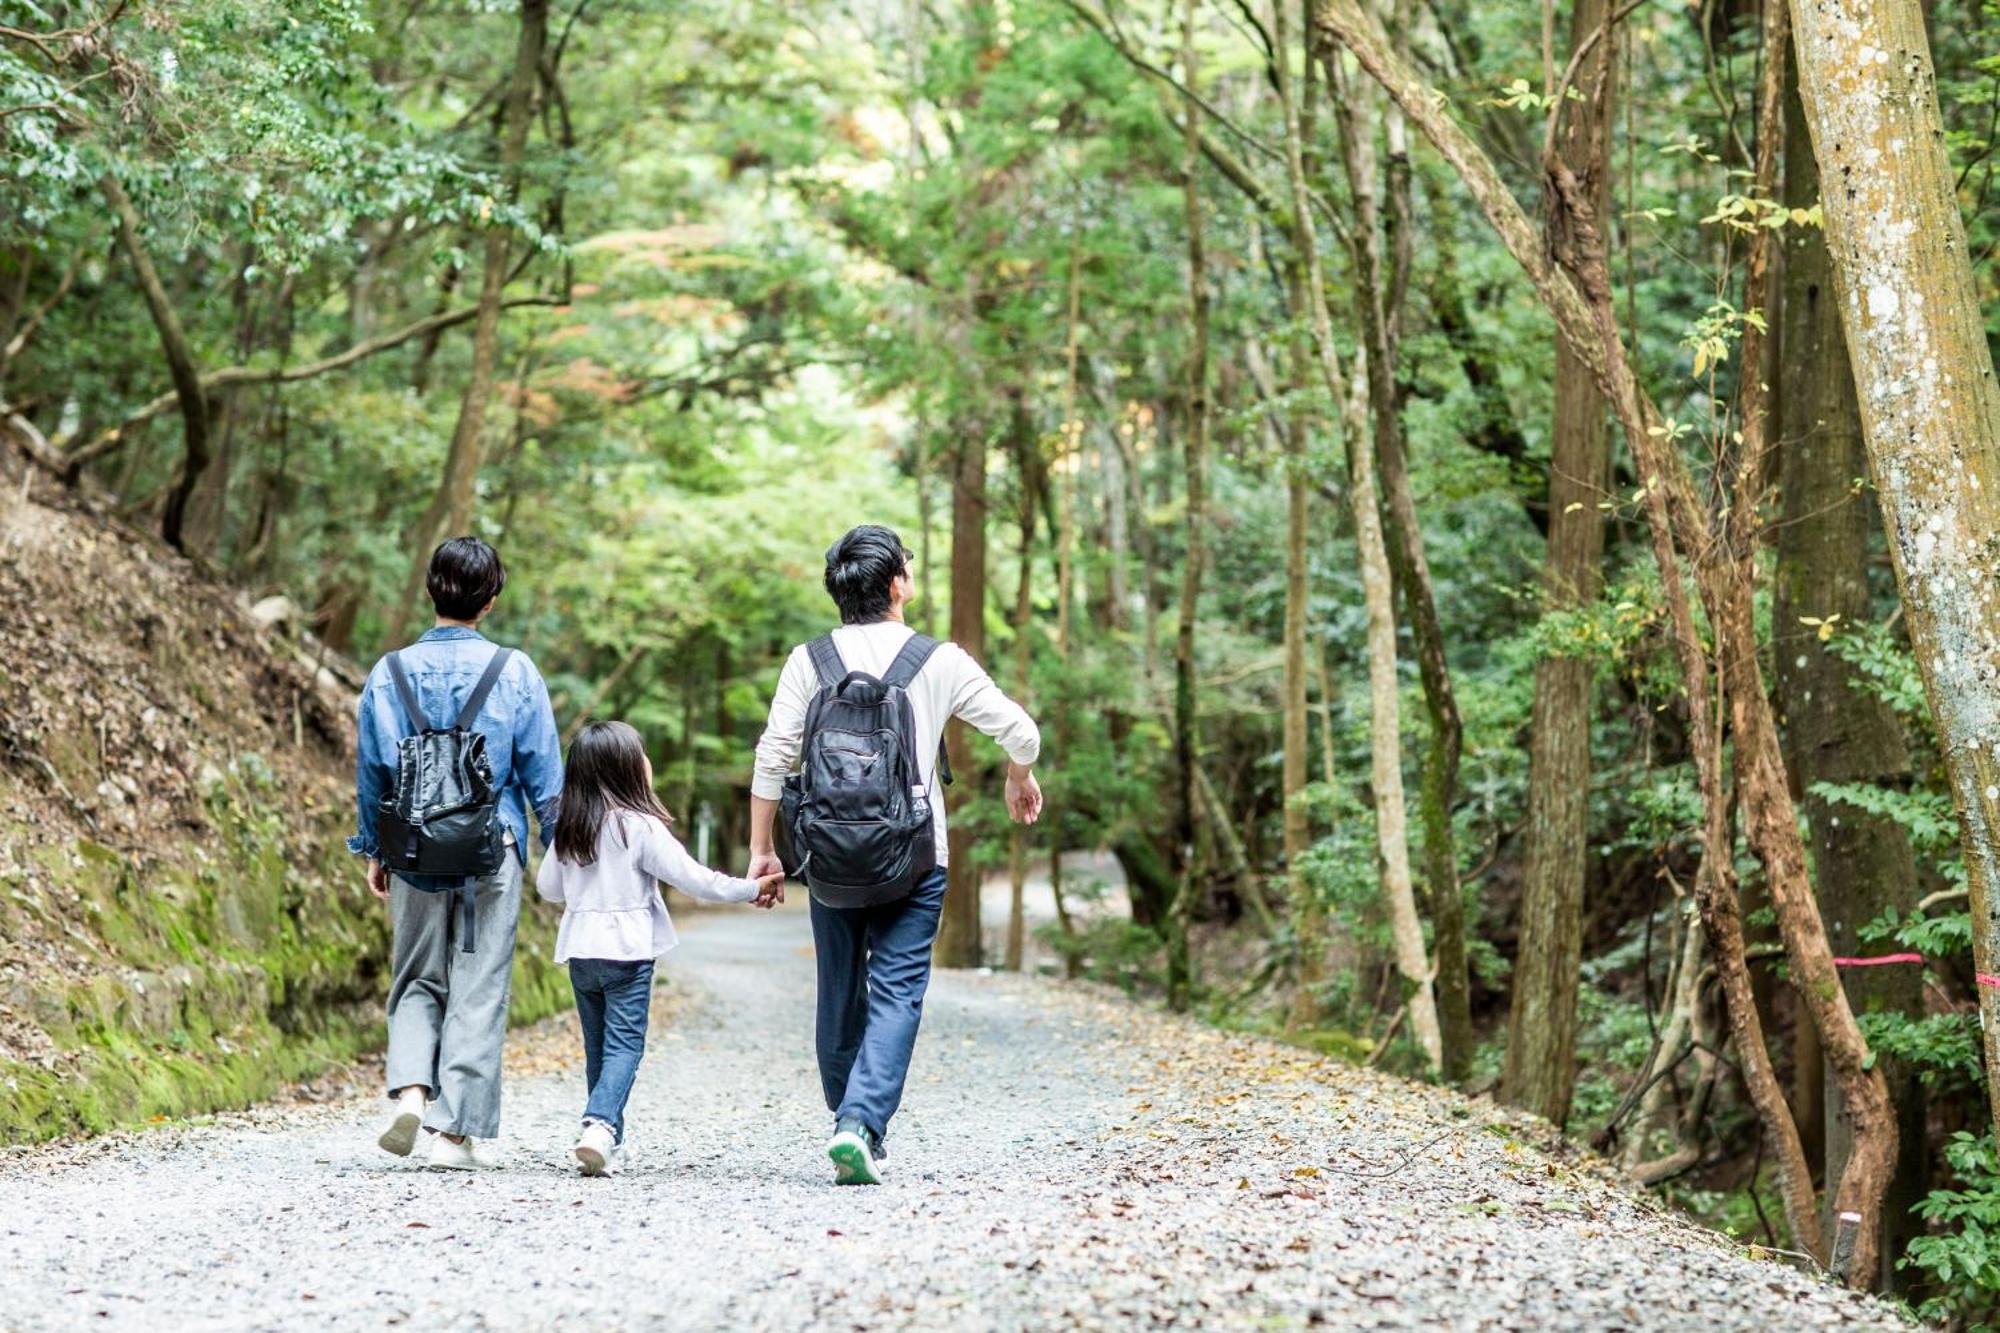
(1877, 962)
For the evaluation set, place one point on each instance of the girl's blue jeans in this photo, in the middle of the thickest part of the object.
(612, 1002)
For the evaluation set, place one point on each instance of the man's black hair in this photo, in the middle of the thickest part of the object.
(465, 575)
(859, 569)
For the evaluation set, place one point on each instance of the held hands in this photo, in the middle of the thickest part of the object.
(769, 873)
(770, 891)
(1024, 795)
(378, 879)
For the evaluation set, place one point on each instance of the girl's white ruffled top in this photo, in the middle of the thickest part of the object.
(612, 907)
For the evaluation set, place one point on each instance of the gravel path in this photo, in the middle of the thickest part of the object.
(1064, 1159)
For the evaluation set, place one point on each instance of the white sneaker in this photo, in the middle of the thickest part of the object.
(447, 1155)
(595, 1149)
(401, 1135)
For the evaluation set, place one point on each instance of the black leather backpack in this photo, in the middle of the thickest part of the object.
(855, 822)
(442, 816)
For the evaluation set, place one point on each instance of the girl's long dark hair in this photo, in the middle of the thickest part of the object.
(604, 775)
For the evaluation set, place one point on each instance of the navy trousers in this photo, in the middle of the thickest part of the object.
(874, 966)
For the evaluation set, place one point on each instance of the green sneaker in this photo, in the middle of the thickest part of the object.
(852, 1149)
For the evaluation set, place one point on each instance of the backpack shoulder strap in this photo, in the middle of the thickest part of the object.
(826, 661)
(910, 659)
(477, 699)
(916, 651)
(406, 692)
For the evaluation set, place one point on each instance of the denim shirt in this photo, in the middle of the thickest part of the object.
(519, 726)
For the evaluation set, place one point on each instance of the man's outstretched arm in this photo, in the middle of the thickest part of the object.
(983, 704)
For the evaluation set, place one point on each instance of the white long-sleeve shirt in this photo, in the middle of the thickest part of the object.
(612, 907)
(950, 685)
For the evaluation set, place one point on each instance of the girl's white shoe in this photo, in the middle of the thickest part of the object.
(595, 1149)
(401, 1135)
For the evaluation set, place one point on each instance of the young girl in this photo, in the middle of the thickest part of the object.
(612, 851)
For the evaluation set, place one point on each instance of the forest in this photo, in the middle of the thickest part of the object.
(1494, 506)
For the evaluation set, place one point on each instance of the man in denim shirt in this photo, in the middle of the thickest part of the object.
(448, 1003)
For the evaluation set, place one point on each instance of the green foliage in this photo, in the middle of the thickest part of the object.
(1963, 1256)
(1887, 671)
(1942, 1048)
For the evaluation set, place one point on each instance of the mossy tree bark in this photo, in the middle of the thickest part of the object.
(1835, 731)
(1929, 405)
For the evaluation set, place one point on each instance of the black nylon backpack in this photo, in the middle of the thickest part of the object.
(442, 816)
(855, 822)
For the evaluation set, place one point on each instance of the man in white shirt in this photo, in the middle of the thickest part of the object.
(875, 962)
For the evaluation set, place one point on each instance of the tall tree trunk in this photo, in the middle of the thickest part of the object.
(450, 509)
(1930, 407)
(1836, 731)
(1308, 915)
(1065, 537)
(920, 480)
(1575, 285)
(180, 356)
(1385, 740)
(1374, 283)
(1028, 466)
(1194, 443)
(1540, 1069)
(958, 942)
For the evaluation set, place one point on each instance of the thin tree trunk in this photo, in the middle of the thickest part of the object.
(1930, 407)
(1540, 1069)
(1323, 702)
(1411, 572)
(1308, 914)
(1194, 444)
(1385, 740)
(450, 510)
(958, 942)
(1683, 993)
(1024, 611)
(180, 356)
(1235, 859)
(920, 479)
(1065, 535)
(586, 712)
(420, 370)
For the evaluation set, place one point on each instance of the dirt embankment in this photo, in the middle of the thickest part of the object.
(181, 926)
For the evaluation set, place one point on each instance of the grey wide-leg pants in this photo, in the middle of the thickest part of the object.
(447, 1007)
